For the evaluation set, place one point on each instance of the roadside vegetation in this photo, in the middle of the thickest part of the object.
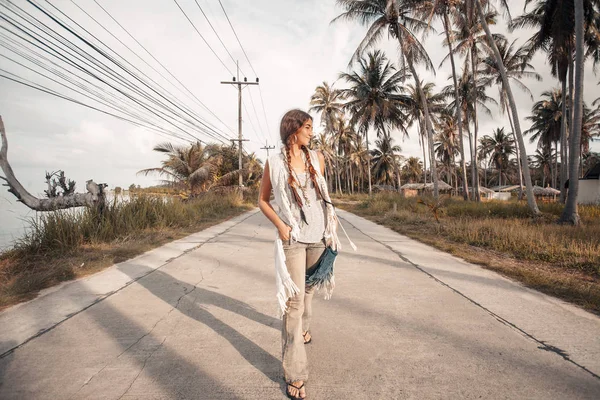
(68, 244)
(560, 260)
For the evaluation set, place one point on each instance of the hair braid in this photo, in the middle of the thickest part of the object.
(291, 180)
(313, 173)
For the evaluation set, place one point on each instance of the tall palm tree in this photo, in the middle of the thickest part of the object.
(518, 66)
(499, 147)
(472, 42)
(511, 101)
(328, 102)
(374, 99)
(358, 158)
(546, 127)
(325, 143)
(570, 214)
(555, 23)
(472, 98)
(442, 9)
(395, 18)
(412, 169)
(542, 160)
(416, 115)
(385, 160)
(446, 146)
(344, 135)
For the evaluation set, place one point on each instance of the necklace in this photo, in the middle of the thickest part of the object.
(303, 187)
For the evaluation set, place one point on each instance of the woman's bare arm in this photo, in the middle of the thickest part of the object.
(265, 205)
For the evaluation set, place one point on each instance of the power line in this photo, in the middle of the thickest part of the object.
(238, 39)
(249, 63)
(105, 101)
(159, 63)
(199, 34)
(117, 63)
(185, 92)
(99, 66)
(213, 29)
(42, 88)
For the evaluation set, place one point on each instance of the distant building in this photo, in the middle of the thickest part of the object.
(589, 187)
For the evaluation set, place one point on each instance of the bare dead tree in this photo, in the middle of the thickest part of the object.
(95, 196)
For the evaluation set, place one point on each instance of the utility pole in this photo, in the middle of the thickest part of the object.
(267, 148)
(240, 86)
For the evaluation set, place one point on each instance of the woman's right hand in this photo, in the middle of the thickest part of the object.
(284, 232)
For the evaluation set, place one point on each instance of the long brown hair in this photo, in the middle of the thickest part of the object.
(291, 122)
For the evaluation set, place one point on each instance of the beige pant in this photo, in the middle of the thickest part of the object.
(299, 259)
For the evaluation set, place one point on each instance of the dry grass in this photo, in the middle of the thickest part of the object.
(66, 245)
(560, 260)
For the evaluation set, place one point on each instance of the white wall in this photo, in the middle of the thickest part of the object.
(589, 191)
(500, 196)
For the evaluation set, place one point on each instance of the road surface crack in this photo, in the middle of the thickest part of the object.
(143, 366)
(541, 344)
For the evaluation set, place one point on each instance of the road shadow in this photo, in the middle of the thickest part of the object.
(191, 300)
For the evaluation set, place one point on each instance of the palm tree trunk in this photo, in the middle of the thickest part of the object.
(463, 166)
(571, 109)
(556, 170)
(477, 195)
(422, 139)
(368, 161)
(570, 214)
(518, 153)
(351, 180)
(563, 142)
(428, 126)
(513, 106)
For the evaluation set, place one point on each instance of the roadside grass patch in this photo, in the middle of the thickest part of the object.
(558, 259)
(68, 244)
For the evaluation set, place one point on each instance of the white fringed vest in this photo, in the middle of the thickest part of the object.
(279, 174)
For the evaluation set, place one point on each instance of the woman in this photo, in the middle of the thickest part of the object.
(306, 224)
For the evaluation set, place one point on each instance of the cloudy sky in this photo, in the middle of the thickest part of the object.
(290, 43)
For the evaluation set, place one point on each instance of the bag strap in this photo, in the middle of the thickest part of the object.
(342, 226)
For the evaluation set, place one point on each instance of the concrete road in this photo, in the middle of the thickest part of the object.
(195, 319)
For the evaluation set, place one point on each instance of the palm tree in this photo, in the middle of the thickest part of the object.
(547, 117)
(498, 147)
(394, 17)
(373, 97)
(197, 167)
(324, 143)
(446, 146)
(192, 167)
(517, 65)
(358, 158)
(416, 114)
(327, 101)
(542, 160)
(472, 97)
(344, 135)
(555, 24)
(570, 214)
(590, 128)
(442, 9)
(385, 160)
(471, 42)
(511, 101)
(412, 169)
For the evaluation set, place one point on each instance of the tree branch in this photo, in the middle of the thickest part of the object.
(95, 195)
